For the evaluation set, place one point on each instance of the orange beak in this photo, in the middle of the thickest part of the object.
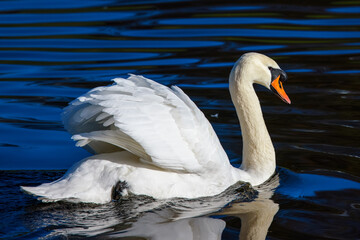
(278, 89)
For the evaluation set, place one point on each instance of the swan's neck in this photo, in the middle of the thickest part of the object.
(258, 151)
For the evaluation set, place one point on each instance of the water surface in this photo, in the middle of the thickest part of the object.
(52, 52)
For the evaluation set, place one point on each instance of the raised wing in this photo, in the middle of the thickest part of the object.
(160, 125)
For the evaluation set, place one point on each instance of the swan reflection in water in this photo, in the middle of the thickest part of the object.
(145, 218)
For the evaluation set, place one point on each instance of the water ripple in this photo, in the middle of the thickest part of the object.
(350, 9)
(104, 44)
(36, 18)
(236, 32)
(69, 57)
(44, 31)
(264, 20)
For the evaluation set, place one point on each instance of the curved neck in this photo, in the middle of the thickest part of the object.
(258, 151)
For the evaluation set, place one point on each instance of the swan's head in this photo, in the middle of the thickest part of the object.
(258, 68)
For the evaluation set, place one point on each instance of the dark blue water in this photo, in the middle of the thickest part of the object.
(53, 51)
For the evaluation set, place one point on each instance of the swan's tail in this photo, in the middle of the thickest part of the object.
(40, 193)
(90, 180)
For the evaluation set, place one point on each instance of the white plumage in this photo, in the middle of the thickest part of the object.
(152, 138)
(160, 125)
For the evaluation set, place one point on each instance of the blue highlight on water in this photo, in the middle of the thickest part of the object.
(106, 44)
(321, 52)
(350, 9)
(256, 20)
(236, 32)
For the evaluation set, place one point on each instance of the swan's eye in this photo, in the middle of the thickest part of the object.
(275, 73)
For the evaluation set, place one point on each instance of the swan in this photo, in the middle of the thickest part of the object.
(153, 140)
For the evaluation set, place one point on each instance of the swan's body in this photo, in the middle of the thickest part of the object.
(156, 142)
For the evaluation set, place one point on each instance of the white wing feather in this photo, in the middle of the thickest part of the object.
(160, 125)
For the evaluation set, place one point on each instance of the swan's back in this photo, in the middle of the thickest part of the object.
(160, 125)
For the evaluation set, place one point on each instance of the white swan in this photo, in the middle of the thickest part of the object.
(153, 140)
